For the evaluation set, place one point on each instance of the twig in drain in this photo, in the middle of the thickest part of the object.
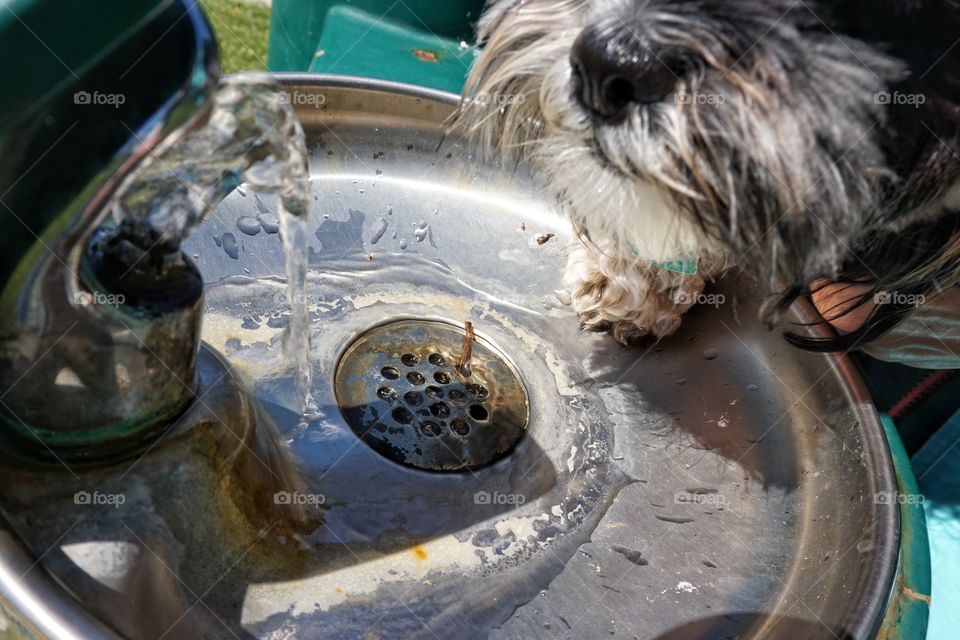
(468, 337)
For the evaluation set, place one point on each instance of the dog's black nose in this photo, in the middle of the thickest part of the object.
(613, 70)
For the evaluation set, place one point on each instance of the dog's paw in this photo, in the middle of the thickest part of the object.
(630, 300)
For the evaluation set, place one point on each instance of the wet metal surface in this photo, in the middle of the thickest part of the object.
(717, 484)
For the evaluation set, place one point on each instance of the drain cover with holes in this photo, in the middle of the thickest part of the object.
(400, 391)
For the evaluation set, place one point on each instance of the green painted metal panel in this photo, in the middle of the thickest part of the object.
(416, 41)
(358, 43)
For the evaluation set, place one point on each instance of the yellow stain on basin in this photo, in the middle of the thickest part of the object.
(323, 591)
(443, 555)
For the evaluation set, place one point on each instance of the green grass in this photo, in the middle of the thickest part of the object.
(241, 29)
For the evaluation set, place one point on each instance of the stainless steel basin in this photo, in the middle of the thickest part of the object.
(717, 484)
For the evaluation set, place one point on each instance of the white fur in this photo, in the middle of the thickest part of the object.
(627, 298)
(635, 219)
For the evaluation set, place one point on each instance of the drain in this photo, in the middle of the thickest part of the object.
(401, 393)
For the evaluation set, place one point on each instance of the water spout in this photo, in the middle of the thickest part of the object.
(118, 320)
(251, 136)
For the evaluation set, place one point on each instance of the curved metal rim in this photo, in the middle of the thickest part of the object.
(881, 462)
(367, 84)
(884, 474)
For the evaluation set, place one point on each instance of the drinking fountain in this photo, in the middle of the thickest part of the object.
(100, 311)
(469, 463)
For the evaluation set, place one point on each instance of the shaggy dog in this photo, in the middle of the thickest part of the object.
(804, 142)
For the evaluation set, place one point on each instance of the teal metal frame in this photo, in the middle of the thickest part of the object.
(909, 609)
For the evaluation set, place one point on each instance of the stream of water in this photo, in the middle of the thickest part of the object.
(253, 137)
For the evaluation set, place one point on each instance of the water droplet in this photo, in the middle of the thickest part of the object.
(229, 243)
(421, 233)
(270, 223)
(378, 230)
(710, 354)
(248, 225)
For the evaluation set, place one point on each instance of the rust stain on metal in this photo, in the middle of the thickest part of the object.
(915, 595)
(425, 55)
(468, 337)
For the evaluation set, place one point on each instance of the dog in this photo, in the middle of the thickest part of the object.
(810, 142)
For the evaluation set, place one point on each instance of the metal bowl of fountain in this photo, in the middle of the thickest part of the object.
(717, 484)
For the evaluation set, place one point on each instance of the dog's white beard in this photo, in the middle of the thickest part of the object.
(637, 219)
